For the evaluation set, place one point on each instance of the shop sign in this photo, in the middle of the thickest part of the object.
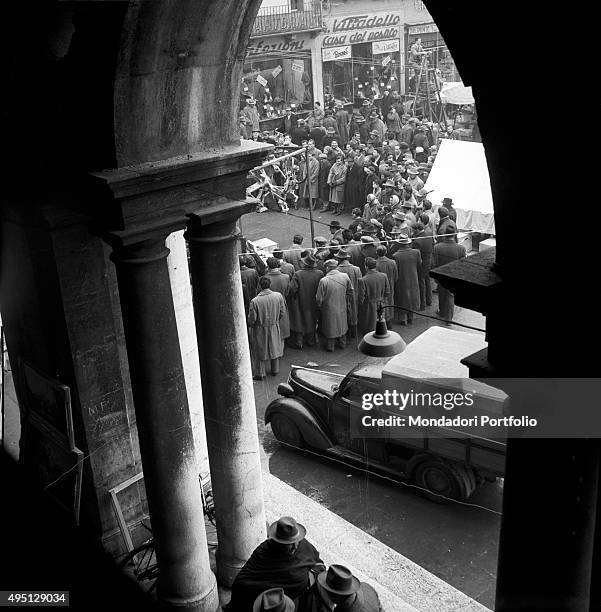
(386, 60)
(386, 46)
(261, 80)
(335, 53)
(361, 29)
(423, 28)
(298, 66)
(276, 71)
(267, 46)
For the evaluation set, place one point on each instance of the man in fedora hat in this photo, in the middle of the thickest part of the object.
(337, 589)
(406, 290)
(413, 178)
(336, 181)
(302, 306)
(343, 257)
(336, 231)
(273, 600)
(387, 266)
(251, 114)
(423, 240)
(448, 204)
(446, 225)
(333, 296)
(250, 280)
(283, 561)
(285, 267)
(280, 282)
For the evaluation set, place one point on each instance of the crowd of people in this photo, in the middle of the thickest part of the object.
(332, 290)
(285, 573)
(373, 150)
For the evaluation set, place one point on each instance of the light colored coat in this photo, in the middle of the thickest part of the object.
(265, 312)
(375, 291)
(333, 295)
(280, 282)
(336, 180)
(313, 179)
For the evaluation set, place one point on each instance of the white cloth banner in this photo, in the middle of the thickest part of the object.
(460, 172)
(456, 93)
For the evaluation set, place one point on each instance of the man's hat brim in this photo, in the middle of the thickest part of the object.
(353, 588)
(271, 534)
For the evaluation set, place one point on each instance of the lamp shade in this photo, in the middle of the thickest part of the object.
(382, 343)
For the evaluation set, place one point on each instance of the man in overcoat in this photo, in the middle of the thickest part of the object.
(310, 187)
(406, 291)
(353, 187)
(354, 273)
(333, 297)
(337, 589)
(265, 313)
(343, 123)
(280, 282)
(445, 252)
(424, 242)
(322, 182)
(293, 254)
(387, 266)
(301, 302)
(250, 281)
(375, 290)
(336, 180)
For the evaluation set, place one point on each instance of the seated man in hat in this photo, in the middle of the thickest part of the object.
(283, 561)
(337, 589)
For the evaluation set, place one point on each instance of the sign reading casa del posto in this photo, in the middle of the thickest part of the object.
(355, 29)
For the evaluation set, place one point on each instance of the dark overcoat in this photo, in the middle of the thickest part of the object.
(301, 300)
(354, 273)
(406, 291)
(375, 291)
(388, 267)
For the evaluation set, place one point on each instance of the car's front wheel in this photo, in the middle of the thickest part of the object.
(286, 431)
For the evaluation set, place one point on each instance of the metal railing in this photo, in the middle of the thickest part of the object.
(281, 19)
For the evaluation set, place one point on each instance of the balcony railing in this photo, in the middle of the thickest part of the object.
(282, 20)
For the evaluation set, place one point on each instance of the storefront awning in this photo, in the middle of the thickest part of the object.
(460, 172)
(456, 93)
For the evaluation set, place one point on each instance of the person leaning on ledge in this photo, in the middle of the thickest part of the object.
(284, 561)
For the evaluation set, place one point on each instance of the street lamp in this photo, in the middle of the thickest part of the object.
(385, 343)
(382, 342)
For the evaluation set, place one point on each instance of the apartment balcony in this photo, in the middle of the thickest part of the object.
(273, 20)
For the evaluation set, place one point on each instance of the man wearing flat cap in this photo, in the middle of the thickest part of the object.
(333, 296)
(337, 589)
(282, 561)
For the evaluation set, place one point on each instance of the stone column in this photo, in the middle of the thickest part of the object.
(164, 427)
(230, 416)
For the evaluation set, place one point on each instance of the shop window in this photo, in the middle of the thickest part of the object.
(278, 81)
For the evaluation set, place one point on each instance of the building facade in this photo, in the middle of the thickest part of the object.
(365, 45)
(281, 63)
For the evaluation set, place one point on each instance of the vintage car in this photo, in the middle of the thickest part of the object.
(319, 410)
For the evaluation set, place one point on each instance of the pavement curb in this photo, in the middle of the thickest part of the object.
(403, 585)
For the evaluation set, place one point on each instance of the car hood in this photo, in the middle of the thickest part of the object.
(325, 383)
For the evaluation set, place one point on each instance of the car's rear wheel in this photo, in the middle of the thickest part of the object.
(443, 482)
(286, 431)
